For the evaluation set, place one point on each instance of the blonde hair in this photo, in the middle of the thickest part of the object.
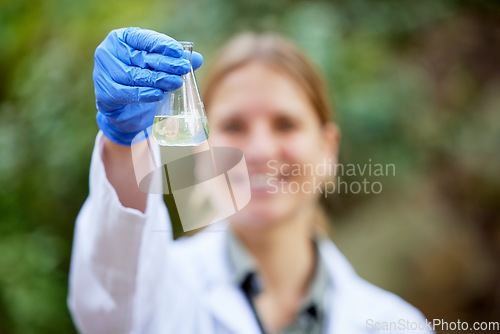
(281, 54)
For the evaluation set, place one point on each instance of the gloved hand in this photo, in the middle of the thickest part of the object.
(133, 68)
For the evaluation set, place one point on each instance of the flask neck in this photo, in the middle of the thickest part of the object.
(188, 49)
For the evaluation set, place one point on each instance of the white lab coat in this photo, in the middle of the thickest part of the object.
(127, 276)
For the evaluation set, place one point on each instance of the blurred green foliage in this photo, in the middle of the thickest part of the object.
(415, 83)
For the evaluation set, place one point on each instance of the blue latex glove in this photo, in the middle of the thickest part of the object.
(133, 68)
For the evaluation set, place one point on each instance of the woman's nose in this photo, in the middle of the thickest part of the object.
(261, 145)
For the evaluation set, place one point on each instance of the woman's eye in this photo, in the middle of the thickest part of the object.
(285, 125)
(233, 127)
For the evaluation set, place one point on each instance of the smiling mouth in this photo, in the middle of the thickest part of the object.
(264, 183)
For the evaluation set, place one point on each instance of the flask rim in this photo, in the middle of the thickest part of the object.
(186, 43)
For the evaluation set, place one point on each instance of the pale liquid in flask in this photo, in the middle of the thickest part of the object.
(180, 130)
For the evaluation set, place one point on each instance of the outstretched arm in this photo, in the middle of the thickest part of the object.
(114, 233)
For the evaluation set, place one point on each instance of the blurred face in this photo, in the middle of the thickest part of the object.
(265, 113)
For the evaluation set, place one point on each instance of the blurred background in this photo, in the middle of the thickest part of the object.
(415, 84)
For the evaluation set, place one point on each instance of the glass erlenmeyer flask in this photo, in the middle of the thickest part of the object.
(180, 118)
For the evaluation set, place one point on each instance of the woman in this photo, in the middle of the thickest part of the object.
(272, 271)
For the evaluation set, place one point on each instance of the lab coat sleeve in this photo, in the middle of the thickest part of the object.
(108, 260)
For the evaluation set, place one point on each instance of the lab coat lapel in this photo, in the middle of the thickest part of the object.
(230, 308)
(223, 299)
(341, 314)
